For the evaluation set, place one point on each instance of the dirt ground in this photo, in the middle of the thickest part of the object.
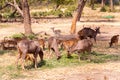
(104, 71)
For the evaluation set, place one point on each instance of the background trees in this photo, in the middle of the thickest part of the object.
(63, 8)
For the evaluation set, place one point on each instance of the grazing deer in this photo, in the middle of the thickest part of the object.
(88, 32)
(84, 45)
(53, 44)
(114, 40)
(29, 46)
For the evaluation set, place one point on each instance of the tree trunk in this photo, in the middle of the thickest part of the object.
(27, 19)
(80, 8)
(111, 5)
(77, 15)
(103, 3)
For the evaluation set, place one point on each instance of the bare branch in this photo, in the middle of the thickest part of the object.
(15, 5)
(4, 6)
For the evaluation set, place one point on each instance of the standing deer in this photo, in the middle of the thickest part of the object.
(29, 46)
(88, 32)
(114, 40)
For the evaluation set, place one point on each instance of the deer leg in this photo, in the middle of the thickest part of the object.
(35, 62)
(23, 60)
(79, 56)
(41, 55)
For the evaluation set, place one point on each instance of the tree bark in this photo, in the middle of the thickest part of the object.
(80, 8)
(27, 18)
(77, 15)
(111, 5)
(103, 3)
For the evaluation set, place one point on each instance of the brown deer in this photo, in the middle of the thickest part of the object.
(42, 43)
(88, 32)
(53, 44)
(56, 32)
(67, 44)
(84, 45)
(114, 40)
(29, 46)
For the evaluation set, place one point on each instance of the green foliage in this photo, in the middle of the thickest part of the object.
(108, 17)
(85, 59)
(17, 36)
(31, 36)
(21, 35)
(67, 14)
(103, 9)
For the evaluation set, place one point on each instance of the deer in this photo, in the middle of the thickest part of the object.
(114, 40)
(82, 46)
(88, 32)
(29, 46)
(56, 32)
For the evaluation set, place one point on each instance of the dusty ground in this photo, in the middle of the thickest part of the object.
(104, 71)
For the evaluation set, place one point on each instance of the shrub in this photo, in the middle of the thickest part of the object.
(34, 14)
(17, 36)
(103, 9)
(58, 13)
(71, 8)
(6, 15)
(68, 14)
(31, 36)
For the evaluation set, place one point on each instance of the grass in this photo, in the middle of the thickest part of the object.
(10, 72)
(13, 72)
(74, 61)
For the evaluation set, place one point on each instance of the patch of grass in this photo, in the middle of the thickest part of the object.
(102, 58)
(14, 72)
(74, 61)
(64, 61)
(3, 52)
(10, 72)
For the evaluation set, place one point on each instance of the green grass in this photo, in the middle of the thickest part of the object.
(14, 72)
(74, 61)
(11, 72)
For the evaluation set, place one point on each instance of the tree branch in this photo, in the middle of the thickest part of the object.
(4, 6)
(15, 5)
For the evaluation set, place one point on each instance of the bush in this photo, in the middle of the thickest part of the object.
(6, 15)
(103, 9)
(31, 36)
(34, 14)
(17, 36)
(68, 14)
(58, 13)
(71, 8)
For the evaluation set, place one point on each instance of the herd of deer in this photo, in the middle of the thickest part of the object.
(81, 43)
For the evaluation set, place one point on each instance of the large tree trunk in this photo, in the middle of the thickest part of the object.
(77, 15)
(27, 19)
(111, 5)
